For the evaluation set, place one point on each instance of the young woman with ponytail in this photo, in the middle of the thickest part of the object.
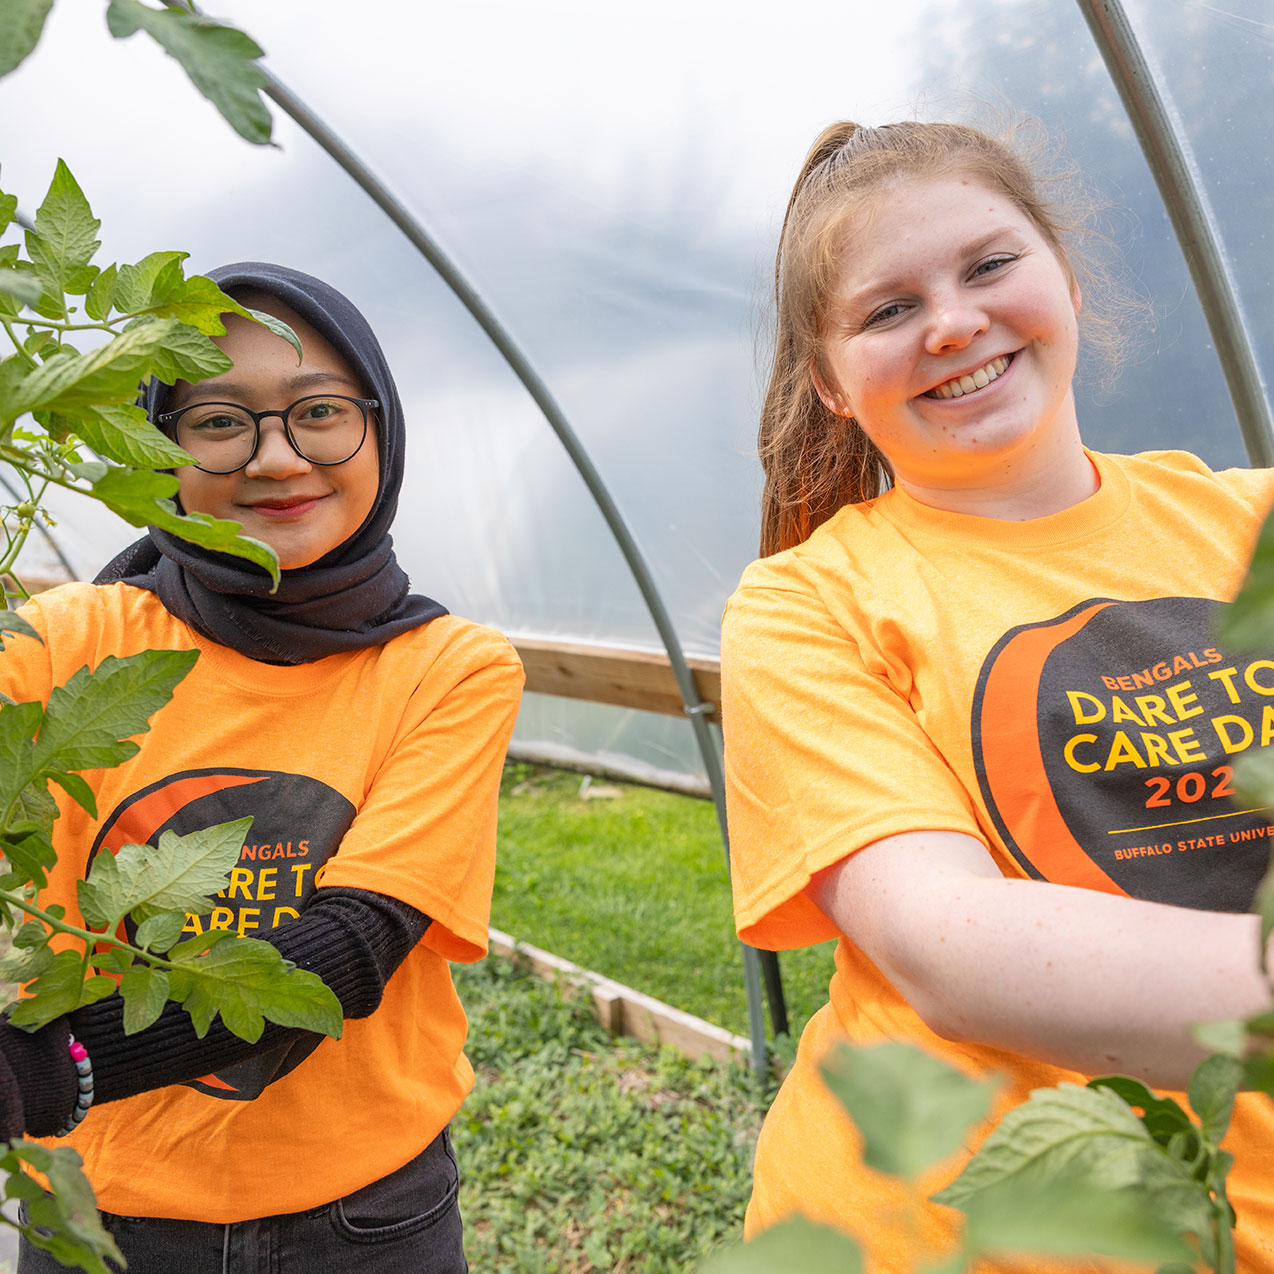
(978, 726)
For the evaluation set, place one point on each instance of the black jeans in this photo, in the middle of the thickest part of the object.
(405, 1223)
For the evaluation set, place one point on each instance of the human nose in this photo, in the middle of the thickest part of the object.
(956, 320)
(275, 456)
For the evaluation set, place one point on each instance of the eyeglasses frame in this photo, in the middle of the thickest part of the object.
(166, 419)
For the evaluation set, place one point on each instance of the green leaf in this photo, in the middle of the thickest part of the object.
(19, 723)
(1163, 1118)
(23, 287)
(108, 374)
(65, 1223)
(796, 1245)
(278, 327)
(125, 435)
(189, 355)
(159, 932)
(1263, 901)
(136, 284)
(145, 992)
(911, 1109)
(14, 623)
(247, 981)
(90, 719)
(1067, 1132)
(24, 966)
(28, 849)
(21, 23)
(1212, 1090)
(56, 991)
(220, 60)
(181, 875)
(1227, 1036)
(76, 788)
(1248, 621)
(197, 302)
(64, 240)
(100, 298)
(1072, 1218)
(140, 497)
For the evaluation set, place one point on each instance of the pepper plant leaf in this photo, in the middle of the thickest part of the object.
(124, 434)
(911, 1109)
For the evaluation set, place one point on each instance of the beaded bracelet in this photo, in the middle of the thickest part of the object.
(84, 1099)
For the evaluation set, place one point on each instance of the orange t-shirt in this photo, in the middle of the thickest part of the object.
(1052, 688)
(377, 769)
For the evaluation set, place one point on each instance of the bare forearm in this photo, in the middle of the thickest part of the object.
(1090, 981)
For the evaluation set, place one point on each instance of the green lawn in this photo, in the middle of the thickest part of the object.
(632, 885)
(579, 1153)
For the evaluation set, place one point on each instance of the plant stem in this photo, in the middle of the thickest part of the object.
(90, 937)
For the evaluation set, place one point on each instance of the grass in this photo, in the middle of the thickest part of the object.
(633, 884)
(579, 1153)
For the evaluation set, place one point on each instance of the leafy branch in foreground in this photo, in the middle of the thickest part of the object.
(220, 60)
(151, 321)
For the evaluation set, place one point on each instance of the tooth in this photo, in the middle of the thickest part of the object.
(980, 378)
(968, 384)
(957, 390)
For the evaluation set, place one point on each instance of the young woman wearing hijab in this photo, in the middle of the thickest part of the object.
(363, 727)
(978, 724)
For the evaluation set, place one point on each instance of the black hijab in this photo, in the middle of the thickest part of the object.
(353, 597)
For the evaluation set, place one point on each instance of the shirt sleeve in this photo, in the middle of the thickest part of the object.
(823, 756)
(425, 834)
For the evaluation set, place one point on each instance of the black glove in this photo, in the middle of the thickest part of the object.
(38, 1083)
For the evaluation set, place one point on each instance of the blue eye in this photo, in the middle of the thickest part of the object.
(884, 314)
(989, 267)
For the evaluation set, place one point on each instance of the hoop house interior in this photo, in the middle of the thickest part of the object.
(610, 181)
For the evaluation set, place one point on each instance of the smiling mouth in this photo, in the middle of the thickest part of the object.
(980, 379)
(282, 508)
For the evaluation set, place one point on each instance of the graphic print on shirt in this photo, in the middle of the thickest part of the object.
(1105, 742)
(297, 826)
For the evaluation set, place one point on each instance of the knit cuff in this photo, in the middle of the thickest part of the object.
(45, 1074)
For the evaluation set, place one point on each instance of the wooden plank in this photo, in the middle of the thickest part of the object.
(615, 675)
(623, 1011)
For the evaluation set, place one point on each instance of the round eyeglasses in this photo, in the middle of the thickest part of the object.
(223, 437)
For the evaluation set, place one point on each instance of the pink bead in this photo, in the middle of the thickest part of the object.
(79, 1052)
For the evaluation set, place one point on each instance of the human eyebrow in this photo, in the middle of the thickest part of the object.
(227, 390)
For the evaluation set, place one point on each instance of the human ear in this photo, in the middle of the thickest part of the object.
(833, 399)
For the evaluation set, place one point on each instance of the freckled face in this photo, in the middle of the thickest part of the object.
(301, 510)
(952, 338)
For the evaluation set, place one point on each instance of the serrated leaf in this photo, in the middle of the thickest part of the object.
(189, 355)
(40, 340)
(135, 284)
(1213, 1087)
(100, 298)
(113, 960)
(55, 992)
(141, 498)
(797, 1245)
(31, 936)
(35, 807)
(76, 788)
(23, 966)
(19, 723)
(1072, 1218)
(181, 875)
(1067, 1132)
(21, 23)
(29, 853)
(220, 60)
(10, 622)
(22, 287)
(159, 932)
(911, 1109)
(197, 302)
(247, 981)
(64, 240)
(89, 720)
(1163, 1118)
(145, 992)
(107, 374)
(125, 435)
(65, 1223)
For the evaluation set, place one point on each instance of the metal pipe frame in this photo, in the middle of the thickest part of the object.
(696, 709)
(1168, 152)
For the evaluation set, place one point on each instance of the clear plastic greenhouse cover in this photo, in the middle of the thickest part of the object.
(610, 179)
